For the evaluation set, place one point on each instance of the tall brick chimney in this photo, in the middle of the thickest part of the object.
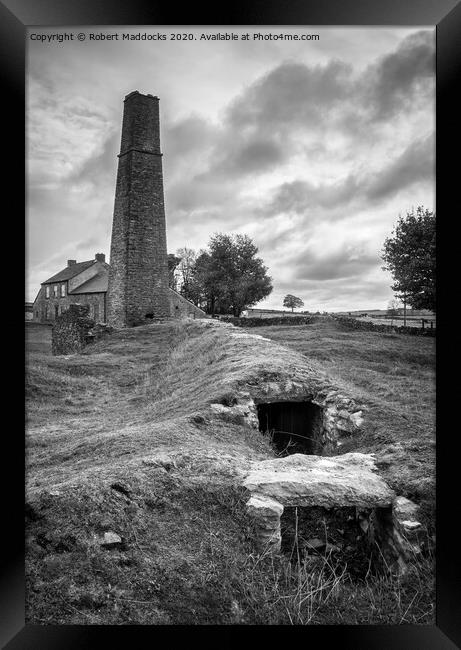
(138, 276)
(100, 257)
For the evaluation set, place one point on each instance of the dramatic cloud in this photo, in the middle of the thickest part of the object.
(312, 150)
(291, 96)
(300, 196)
(414, 165)
(402, 77)
(345, 263)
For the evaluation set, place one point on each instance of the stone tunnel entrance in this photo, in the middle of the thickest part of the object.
(294, 427)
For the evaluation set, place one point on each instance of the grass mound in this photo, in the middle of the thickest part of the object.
(121, 440)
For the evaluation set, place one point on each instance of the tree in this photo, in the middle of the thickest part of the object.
(410, 257)
(173, 262)
(393, 309)
(292, 302)
(185, 272)
(230, 275)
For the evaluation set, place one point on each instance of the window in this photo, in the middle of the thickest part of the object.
(47, 291)
(55, 290)
(63, 290)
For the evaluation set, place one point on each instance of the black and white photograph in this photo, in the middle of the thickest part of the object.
(230, 325)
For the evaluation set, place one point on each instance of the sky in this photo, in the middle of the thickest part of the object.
(313, 148)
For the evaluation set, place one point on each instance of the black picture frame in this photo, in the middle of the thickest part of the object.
(445, 15)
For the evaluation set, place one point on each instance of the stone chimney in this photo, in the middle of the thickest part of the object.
(100, 257)
(71, 262)
(138, 276)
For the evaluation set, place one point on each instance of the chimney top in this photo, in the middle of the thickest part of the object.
(136, 92)
(100, 257)
(71, 262)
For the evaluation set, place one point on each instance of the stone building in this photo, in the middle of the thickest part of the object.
(79, 282)
(86, 283)
(134, 289)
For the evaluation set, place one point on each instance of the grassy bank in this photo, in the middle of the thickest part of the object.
(120, 439)
(394, 376)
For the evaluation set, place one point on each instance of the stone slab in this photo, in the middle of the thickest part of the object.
(328, 482)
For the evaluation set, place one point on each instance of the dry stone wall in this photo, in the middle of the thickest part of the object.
(264, 322)
(353, 323)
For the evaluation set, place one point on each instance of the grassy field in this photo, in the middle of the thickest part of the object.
(121, 439)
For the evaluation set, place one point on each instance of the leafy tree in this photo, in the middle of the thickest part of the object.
(410, 257)
(230, 275)
(292, 302)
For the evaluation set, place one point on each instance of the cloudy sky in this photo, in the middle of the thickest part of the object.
(313, 148)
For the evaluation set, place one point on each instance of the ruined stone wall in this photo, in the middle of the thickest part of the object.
(183, 308)
(74, 330)
(70, 330)
(138, 277)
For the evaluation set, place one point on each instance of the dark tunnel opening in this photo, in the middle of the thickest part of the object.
(294, 427)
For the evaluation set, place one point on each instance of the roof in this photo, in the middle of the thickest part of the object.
(69, 272)
(99, 283)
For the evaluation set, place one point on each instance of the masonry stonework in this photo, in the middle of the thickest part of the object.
(70, 330)
(183, 308)
(48, 309)
(138, 276)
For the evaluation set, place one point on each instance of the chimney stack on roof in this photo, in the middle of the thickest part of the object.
(100, 257)
(71, 262)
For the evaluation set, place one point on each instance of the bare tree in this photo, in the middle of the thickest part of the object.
(393, 309)
(186, 266)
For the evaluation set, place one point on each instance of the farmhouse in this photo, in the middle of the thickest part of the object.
(79, 282)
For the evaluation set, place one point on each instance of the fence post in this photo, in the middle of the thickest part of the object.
(422, 322)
